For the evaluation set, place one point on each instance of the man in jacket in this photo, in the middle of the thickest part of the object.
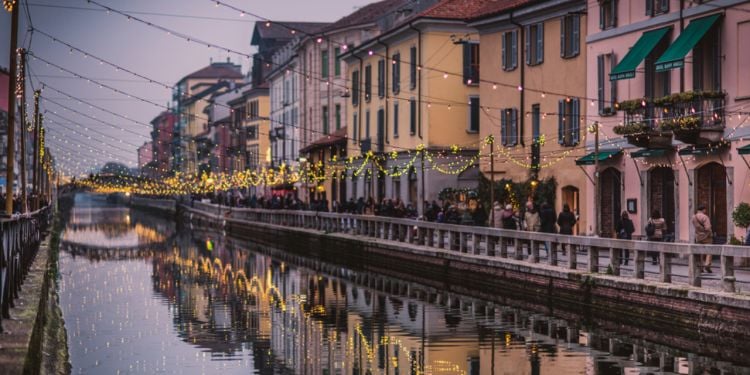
(703, 233)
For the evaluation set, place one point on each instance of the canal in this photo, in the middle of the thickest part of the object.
(142, 294)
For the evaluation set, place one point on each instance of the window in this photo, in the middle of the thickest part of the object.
(253, 157)
(412, 116)
(570, 36)
(607, 14)
(471, 63)
(395, 120)
(252, 133)
(367, 125)
(606, 89)
(474, 114)
(381, 78)
(509, 126)
(568, 122)
(337, 62)
(396, 75)
(534, 44)
(355, 128)
(657, 84)
(338, 116)
(413, 68)
(325, 120)
(707, 62)
(368, 82)
(536, 123)
(324, 64)
(355, 87)
(510, 50)
(657, 7)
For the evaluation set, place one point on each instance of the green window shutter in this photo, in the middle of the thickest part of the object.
(513, 127)
(395, 119)
(503, 125)
(561, 122)
(324, 64)
(514, 49)
(576, 34)
(527, 45)
(337, 62)
(503, 53)
(600, 81)
(575, 118)
(467, 62)
(562, 37)
(540, 42)
(413, 116)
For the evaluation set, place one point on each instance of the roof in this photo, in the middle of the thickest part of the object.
(468, 9)
(366, 14)
(326, 140)
(225, 70)
(283, 30)
(213, 88)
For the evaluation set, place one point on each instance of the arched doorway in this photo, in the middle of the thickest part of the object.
(610, 201)
(570, 196)
(711, 191)
(661, 196)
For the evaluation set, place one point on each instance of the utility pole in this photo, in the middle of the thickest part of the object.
(421, 166)
(12, 7)
(596, 178)
(36, 161)
(491, 141)
(22, 86)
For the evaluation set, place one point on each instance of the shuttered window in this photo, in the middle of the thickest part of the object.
(509, 126)
(534, 44)
(471, 63)
(396, 74)
(570, 36)
(368, 82)
(568, 122)
(607, 14)
(412, 116)
(413, 68)
(510, 50)
(606, 89)
(355, 88)
(381, 78)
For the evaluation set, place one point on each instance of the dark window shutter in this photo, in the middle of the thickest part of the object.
(613, 3)
(649, 7)
(562, 37)
(561, 122)
(540, 42)
(613, 99)
(601, 15)
(575, 118)
(600, 77)
(513, 126)
(514, 49)
(503, 124)
(576, 34)
(664, 6)
(467, 62)
(527, 44)
(503, 53)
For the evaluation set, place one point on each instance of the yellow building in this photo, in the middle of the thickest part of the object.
(533, 94)
(416, 85)
(250, 119)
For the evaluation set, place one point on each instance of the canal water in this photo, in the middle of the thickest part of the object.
(141, 295)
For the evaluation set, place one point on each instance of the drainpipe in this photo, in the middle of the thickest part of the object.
(682, 27)
(385, 86)
(522, 61)
(419, 80)
(359, 99)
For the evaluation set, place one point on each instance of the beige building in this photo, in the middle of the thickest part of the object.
(533, 95)
(396, 106)
(250, 121)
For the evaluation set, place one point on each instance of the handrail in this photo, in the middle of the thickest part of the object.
(20, 236)
(588, 254)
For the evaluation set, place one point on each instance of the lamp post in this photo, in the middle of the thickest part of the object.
(594, 128)
(12, 7)
(303, 167)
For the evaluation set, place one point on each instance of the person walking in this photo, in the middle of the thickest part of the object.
(566, 220)
(547, 218)
(659, 230)
(508, 219)
(480, 215)
(703, 233)
(497, 213)
(625, 229)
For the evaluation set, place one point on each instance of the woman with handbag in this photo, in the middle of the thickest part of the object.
(655, 230)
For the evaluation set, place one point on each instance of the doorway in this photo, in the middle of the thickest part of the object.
(661, 197)
(610, 204)
(711, 191)
(570, 196)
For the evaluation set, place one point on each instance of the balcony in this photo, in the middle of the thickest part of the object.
(693, 117)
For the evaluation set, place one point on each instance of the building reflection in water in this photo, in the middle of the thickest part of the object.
(237, 303)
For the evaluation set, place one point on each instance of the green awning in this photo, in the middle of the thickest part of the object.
(674, 56)
(692, 150)
(645, 44)
(744, 150)
(645, 153)
(591, 158)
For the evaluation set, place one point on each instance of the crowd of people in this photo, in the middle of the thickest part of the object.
(18, 204)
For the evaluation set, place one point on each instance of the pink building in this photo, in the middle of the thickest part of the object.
(669, 88)
(161, 139)
(145, 156)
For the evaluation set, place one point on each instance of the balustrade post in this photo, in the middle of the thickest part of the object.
(462, 242)
(451, 240)
(410, 233)
(694, 273)
(665, 267)
(517, 249)
(552, 253)
(639, 258)
(534, 257)
(475, 239)
(440, 239)
(572, 257)
(503, 247)
(430, 237)
(593, 261)
(614, 261)
(490, 243)
(727, 273)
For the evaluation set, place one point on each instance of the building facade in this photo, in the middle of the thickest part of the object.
(533, 100)
(161, 139)
(250, 121)
(145, 157)
(670, 88)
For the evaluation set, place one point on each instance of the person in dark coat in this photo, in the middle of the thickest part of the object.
(480, 215)
(548, 218)
(625, 229)
(566, 220)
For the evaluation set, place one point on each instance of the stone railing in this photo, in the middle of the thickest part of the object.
(675, 262)
(21, 236)
(167, 205)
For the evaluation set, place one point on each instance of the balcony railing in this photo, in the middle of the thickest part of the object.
(678, 262)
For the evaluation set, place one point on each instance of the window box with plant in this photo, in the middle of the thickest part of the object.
(640, 134)
(695, 117)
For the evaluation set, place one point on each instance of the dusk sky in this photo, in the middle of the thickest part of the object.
(136, 47)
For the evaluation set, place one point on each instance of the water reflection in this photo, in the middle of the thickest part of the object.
(138, 297)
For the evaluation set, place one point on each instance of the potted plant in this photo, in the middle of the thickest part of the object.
(741, 215)
(639, 134)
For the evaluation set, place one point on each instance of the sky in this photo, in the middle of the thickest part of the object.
(82, 140)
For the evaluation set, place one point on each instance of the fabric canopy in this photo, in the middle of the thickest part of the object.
(645, 44)
(674, 56)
